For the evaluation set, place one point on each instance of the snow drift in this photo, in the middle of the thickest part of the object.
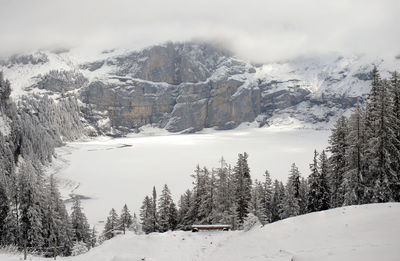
(366, 232)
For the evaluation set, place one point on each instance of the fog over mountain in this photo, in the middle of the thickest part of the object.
(188, 65)
(259, 31)
(202, 116)
(189, 86)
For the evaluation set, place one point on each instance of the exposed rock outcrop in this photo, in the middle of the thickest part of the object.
(191, 86)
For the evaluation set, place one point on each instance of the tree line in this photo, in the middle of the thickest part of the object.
(33, 216)
(361, 165)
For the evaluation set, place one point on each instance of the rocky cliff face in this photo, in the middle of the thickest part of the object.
(191, 86)
(180, 87)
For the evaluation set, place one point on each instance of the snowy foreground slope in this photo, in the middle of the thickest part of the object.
(367, 232)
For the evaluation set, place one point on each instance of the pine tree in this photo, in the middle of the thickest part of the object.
(185, 220)
(80, 226)
(337, 160)
(224, 199)
(303, 199)
(5, 88)
(135, 227)
(207, 206)
(324, 190)
(154, 212)
(198, 189)
(30, 207)
(173, 216)
(382, 143)
(257, 203)
(112, 225)
(243, 187)
(126, 219)
(291, 204)
(4, 210)
(12, 221)
(352, 183)
(395, 103)
(56, 220)
(164, 204)
(93, 237)
(319, 194)
(267, 189)
(277, 201)
(313, 180)
(146, 215)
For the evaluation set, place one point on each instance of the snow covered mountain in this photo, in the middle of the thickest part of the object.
(191, 86)
(357, 233)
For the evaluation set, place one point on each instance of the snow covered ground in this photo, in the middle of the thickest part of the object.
(112, 172)
(357, 233)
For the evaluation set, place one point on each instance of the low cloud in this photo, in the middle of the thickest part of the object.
(262, 31)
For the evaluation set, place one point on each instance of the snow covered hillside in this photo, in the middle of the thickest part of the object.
(191, 86)
(356, 233)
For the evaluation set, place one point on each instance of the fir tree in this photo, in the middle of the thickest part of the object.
(154, 212)
(146, 215)
(200, 183)
(337, 160)
(303, 199)
(277, 201)
(12, 221)
(243, 187)
(126, 219)
(224, 201)
(5, 88)
(56, 220)
(324, 190)
(207, 204)
(80, 226)
(257, 206)
(313, 180)
(395, 101)
(173, 216)
(381, 149)
(164, 212)
(185, 220)
(93, 237)
(112, 225)
(291, 204)
(318, 195)
(352, 183)
(4, 209)
(30, 207)
(135, 227)
(267, 189)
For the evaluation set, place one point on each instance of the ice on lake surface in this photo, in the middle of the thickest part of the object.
(113, 172)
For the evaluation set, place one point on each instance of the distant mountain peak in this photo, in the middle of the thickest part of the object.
(193, 85)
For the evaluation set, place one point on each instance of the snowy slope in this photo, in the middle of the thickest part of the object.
(356, 233)
(170, 83)
(329, 74)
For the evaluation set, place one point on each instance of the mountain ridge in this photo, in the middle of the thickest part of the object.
(190, 86)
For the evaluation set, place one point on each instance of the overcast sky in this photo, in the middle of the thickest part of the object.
(265, 30)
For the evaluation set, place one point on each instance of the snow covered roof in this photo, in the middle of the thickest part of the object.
(215, 226)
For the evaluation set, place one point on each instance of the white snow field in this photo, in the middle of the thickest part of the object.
(355, 233)
(112, 172)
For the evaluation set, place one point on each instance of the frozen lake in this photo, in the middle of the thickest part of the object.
(116, 171)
